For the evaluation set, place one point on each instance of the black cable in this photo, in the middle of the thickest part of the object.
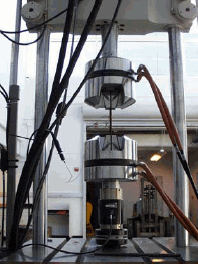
(20, 136)
(33, 168)
(59, 68)
(77, 253)
(4, 91)
(3, 212)
(2, 146)
(29, 142)
(90, 70)
(25, 44)
(30, 165)
(36, 149)
(186, 168)
(82, 83)
(4, 96)
(37, 26)
(63, 48)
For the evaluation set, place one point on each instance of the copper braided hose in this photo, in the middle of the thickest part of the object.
(159, 103)
(170, 119)
(187, 224)
(162, 103)
(167, 200)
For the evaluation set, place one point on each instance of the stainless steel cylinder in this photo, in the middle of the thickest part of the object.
(111, 78)
(110, 75)
(111, 45)
(104, 162)
(179, 114)
(111, 215)
(111, 190)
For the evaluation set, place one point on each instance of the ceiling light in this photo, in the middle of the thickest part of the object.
(157, 156)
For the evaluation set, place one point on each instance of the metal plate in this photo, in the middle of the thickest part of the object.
(148, 246)
(135, 17)
(34, 254)
(73, 245)
(129, 247)
(160, 245)
(187, 253)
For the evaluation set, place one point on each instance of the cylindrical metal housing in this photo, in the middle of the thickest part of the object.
(110, 75)
(110, 49)
(103, 164)
(111, 215)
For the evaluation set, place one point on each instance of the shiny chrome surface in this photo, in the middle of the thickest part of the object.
(41, 99)
(99, 148)
(179, 115)
(96, 89)
(111, 190)
(120, 226)
(111, 46)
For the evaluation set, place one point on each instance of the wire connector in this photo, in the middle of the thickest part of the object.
(59, 110)
(58, 147)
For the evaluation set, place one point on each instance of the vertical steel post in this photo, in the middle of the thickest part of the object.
(41, 99)
(12, 124)
(179, 115)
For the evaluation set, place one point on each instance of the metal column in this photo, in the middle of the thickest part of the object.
(41, 99)
(12, 124)
(179, 115)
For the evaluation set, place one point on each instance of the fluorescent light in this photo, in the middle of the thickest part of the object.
(156, 157)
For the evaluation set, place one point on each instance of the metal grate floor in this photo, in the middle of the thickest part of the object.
(138, 250)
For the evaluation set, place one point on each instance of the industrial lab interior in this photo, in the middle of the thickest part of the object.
(99, 131)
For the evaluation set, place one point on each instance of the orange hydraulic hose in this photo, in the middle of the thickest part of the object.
(170, 119)
(187, 224)
(159, 103)
(171, 128)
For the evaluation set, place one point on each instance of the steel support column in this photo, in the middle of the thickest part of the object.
(179, 115)
(41, 99)
(12, 124)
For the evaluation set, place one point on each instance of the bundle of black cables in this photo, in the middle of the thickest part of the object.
(58, 88)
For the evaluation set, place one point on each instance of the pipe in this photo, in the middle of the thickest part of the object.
(178, 106)
(12, 125)
(41, 99)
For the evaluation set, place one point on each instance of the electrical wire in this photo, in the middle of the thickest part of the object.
(25, 44)
(77, 253)
(36, 149)
(4, 91)
(169, 123)
(3, 212)
(91, 68)
(74, 178)
(31, 138)
(58, 72)
(187, 224)
(4, 96)
(34, 27)
(38, 26)
(2, 146)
